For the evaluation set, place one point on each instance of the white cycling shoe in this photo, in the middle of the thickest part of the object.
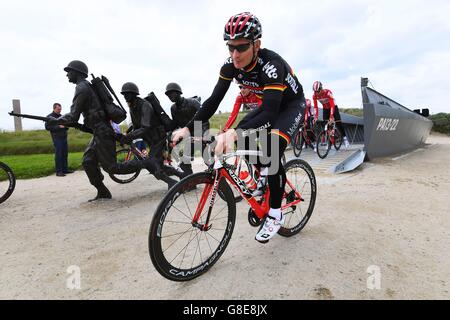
(269, 229)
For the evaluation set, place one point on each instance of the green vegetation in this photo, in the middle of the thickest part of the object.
(219, 120)
(39, 142)
(352, 111)
(441, 122)
(38, 165)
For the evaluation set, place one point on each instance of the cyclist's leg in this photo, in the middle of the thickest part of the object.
(337, 118)
(277, 180)
(280, 136)
(326, 115)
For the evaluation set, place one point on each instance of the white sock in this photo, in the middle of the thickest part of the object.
(275, 213)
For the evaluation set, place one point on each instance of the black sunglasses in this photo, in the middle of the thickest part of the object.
(240, 48)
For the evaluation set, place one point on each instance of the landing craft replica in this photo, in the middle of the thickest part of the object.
(387, 128)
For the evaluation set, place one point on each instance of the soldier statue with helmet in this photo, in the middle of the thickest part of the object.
(101, 149)
(147, 125)
(183, 110)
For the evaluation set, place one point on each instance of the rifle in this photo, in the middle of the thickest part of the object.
(106, 81)
(77, 126)
(28, 116)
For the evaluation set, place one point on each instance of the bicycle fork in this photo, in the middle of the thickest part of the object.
(205, 195)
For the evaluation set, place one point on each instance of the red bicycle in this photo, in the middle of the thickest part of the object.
(192, 226)
(305, 136)
(328, 137)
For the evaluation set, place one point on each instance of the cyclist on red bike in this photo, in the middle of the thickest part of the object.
(330, 109)
(265, 73)
(248, 100)
(309, 121)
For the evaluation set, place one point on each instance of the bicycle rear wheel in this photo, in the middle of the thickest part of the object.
(179, 250)
(7, 182)
(123, 156)
(302, 180)
(323, 145)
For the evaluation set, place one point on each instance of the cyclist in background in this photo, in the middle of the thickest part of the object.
(330, 109)
(265, 73)
(248, 100)
(309, 122)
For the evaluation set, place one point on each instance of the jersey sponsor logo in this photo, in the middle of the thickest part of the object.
(295, 125)
(249, 132)
(251, 84)
(387, 124)
(270, 70)
(291, 82)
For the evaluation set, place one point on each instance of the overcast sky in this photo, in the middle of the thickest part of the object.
(403, 47)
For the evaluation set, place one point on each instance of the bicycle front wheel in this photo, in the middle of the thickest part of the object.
(124, 155)
(323, 145)
(7, 182)
(337, 139)
(180, 250)
(302, 181)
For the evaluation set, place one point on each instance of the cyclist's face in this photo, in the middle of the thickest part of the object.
(245, 92)
(244, 58)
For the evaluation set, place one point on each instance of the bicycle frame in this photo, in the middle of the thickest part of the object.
(134, 150)
(222, 170)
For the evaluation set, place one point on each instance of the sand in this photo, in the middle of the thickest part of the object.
(380, 232)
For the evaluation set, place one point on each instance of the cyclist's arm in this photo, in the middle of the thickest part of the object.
(316, 108)
(332, 105)
(234, 113)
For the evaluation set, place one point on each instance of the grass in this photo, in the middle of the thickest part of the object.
(39, 142)
(38, 165)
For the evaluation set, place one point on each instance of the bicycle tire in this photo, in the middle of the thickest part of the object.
(298, 143)
(163, 227)
(322, 150)
(337, 139)
(119, 178)
(290, 227)
(12, 181)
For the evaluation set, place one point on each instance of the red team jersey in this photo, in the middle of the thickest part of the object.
(252, 101)
(326, 99)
